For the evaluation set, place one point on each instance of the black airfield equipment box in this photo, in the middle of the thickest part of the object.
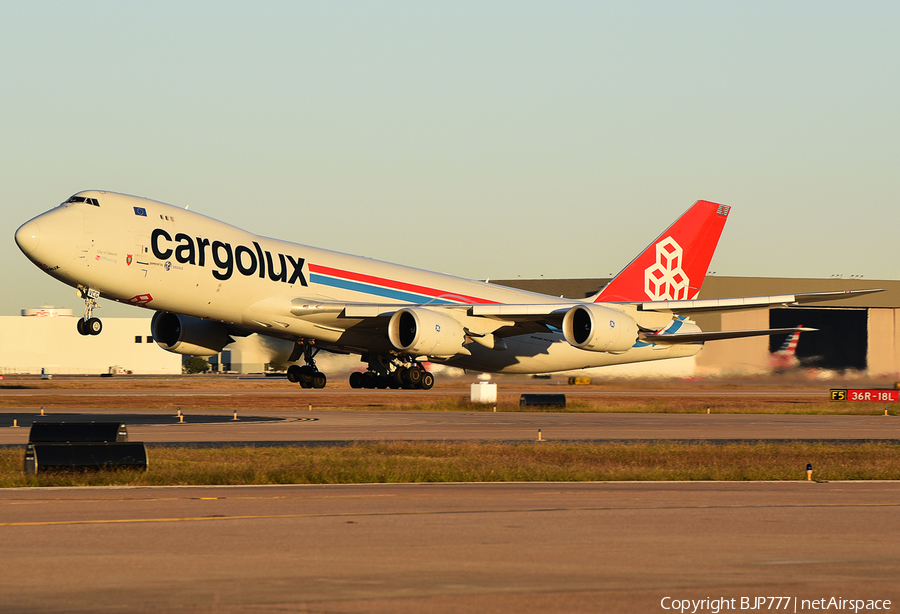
(78, 432)
(545, 400)
(62, 446)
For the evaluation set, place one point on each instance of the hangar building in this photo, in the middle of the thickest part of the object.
(45, 340)
(862, 333)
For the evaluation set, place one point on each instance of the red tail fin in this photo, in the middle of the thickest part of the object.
(674, 266)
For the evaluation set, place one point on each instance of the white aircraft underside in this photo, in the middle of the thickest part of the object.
(210, 282)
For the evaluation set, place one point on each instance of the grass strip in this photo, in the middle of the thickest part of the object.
(398, 402)
(405, 462)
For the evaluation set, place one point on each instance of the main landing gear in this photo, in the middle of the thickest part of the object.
(308, 376)
(385, 373)
(89, 325)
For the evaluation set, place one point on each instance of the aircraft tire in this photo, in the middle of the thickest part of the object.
(305, 375)
(93, 326)
(319, 380)
(397, 378)
(79, 326)
(427, 382)
(306, 384)
(293, 374)
(356, 380)
(413, 376)
(368, 380)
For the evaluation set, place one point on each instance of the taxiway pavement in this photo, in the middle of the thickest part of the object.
(291, 426)
(460, 548)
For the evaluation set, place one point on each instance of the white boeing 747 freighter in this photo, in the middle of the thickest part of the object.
(210, 282)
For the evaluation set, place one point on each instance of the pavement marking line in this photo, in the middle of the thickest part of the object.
(437, 512)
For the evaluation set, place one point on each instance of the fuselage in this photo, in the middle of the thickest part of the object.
(157, 256)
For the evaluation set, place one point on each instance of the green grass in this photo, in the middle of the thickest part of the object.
(406, 462)
(398, 401)
(627, 405)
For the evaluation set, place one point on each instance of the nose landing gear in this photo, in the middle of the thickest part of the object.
(89, 325)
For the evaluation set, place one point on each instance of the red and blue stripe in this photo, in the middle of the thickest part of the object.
(390, 289)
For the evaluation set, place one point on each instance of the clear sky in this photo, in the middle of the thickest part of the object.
(483, 139)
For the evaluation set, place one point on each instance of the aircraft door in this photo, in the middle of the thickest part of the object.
(86, 247)
(141, 256)
(142, 249)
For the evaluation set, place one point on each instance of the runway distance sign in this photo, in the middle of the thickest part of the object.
(865, 396)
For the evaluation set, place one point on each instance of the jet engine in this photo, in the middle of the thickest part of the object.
(426, 333)
(186, 335)
(599, 329)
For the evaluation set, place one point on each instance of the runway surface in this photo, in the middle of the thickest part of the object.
(154, 426)
(460, 548)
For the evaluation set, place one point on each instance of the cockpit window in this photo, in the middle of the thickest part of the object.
(82, 199)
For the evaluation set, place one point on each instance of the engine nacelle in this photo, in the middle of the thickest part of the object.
(599, 329)
(426, 333)
(186, 335)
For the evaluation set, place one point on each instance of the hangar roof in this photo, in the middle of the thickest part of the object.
(724, 287)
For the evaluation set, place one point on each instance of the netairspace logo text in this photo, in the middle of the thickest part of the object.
(789, 604)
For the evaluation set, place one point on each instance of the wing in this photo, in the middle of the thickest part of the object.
(654, 317)
(727, 304)
(489, 324)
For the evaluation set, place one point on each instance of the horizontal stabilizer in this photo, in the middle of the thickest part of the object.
(701, 337)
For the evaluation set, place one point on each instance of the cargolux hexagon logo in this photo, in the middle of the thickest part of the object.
(140, 299)
(666, 280)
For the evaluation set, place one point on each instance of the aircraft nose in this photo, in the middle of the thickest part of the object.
(51, 239)
(28, 237)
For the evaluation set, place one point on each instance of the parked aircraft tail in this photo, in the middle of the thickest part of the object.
(785, 358)
(789, 347)
(674, 266)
